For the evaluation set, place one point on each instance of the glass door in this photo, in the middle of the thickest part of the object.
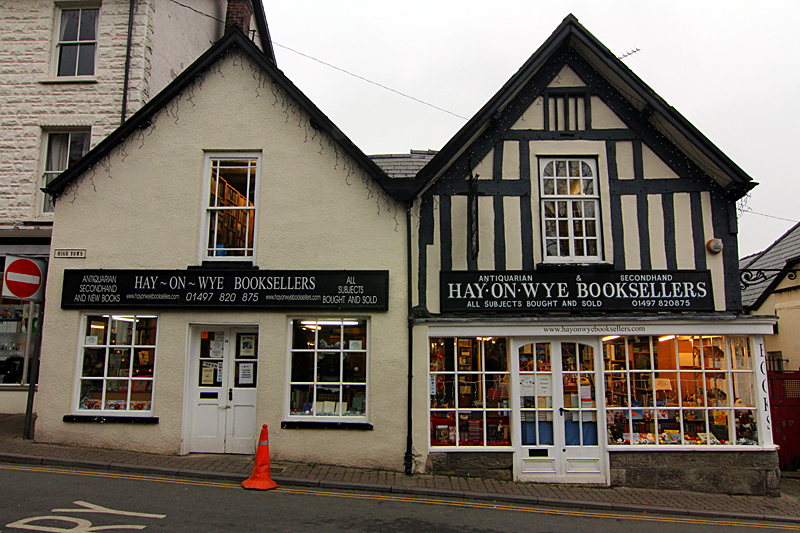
(558, 412)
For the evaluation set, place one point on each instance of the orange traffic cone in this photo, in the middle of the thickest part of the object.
(261, 479)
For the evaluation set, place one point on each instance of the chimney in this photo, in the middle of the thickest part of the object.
(239, 12)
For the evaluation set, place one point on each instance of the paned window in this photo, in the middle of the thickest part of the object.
(570, 210)
(76, 46)
(231, 208)
(328, 362)
(64, 149)
(469, 387)
(680, 389)
(118, 357)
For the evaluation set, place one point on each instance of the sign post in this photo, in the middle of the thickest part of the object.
(24, 279)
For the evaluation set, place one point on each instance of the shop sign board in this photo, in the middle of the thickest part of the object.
(24, 278)
(525, 292)
(319, 290)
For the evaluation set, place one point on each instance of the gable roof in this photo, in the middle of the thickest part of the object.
(781, 254)
(648, 105)
(234, 38)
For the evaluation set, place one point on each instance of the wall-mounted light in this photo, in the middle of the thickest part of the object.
(714, 246)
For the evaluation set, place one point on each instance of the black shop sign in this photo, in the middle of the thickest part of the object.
(318, 290)
(524, 292)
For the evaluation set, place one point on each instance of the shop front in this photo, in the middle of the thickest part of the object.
(567, 402)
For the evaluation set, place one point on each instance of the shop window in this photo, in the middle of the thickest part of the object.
(117, 368)
(570, 210)
(680, 389)
(63, 149)
(76, 42)
(469, 387)
(328, 368)
(231, 206)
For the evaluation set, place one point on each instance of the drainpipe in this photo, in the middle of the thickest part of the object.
(127, 62)
(408, 459)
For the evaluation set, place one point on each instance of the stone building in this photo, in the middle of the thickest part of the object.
(71, 72)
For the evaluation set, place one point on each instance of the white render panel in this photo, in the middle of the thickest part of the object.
(630, 224)
(510, 170)
(532, 118)
(658, 249)
(513, 232)
(458, 215)
(654, 167)
(603, 118)
(567, 78)
(684, 240)
(314, 214)
(625, 160)
(483, 169)
(486, 233)
(714, 261)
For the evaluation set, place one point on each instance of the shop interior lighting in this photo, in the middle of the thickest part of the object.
(666, 338)
(610, 338)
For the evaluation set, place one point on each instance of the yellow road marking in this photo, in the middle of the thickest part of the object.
(409, 499)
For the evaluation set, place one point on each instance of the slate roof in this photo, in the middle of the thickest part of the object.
(234, 38)
(783, 253)
(648, 105)
(404, 166)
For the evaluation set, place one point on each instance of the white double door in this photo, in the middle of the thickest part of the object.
(559, 416)
(223, 377)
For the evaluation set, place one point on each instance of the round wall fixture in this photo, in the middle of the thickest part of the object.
(714, 246)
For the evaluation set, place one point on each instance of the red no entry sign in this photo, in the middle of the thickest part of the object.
(23, 278)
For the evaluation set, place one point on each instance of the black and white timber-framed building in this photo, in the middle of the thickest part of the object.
(576, 308)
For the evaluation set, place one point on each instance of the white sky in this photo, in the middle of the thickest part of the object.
(730, 67)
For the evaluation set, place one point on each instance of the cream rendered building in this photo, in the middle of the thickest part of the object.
(245, 265)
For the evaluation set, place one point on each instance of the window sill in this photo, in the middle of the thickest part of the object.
(111, 419)
(573, 266)
(68, 79)
(308, 424)
(690, 448)
(224, 265)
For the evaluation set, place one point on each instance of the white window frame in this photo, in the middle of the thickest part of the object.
(570, 200)
(208, 211)
(47, 175)
(314, 416)
(85, 342)
(457, 375)
(734, 374)
(58, 43)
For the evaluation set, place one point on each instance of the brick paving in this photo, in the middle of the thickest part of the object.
(785, 508)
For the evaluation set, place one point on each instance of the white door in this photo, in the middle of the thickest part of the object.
(560, 437)
(224, 383)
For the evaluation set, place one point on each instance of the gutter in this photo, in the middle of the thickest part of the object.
(408, 458)
(124, 112)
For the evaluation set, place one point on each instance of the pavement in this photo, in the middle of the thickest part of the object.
(236, 468)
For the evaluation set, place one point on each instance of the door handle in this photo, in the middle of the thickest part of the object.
(561, 411)
(230, 395)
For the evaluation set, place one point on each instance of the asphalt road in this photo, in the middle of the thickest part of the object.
(58, 499)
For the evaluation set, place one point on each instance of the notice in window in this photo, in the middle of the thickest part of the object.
(206, 376)
(217, 345)
(544, 386)
(246, 374)
(527, 386)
